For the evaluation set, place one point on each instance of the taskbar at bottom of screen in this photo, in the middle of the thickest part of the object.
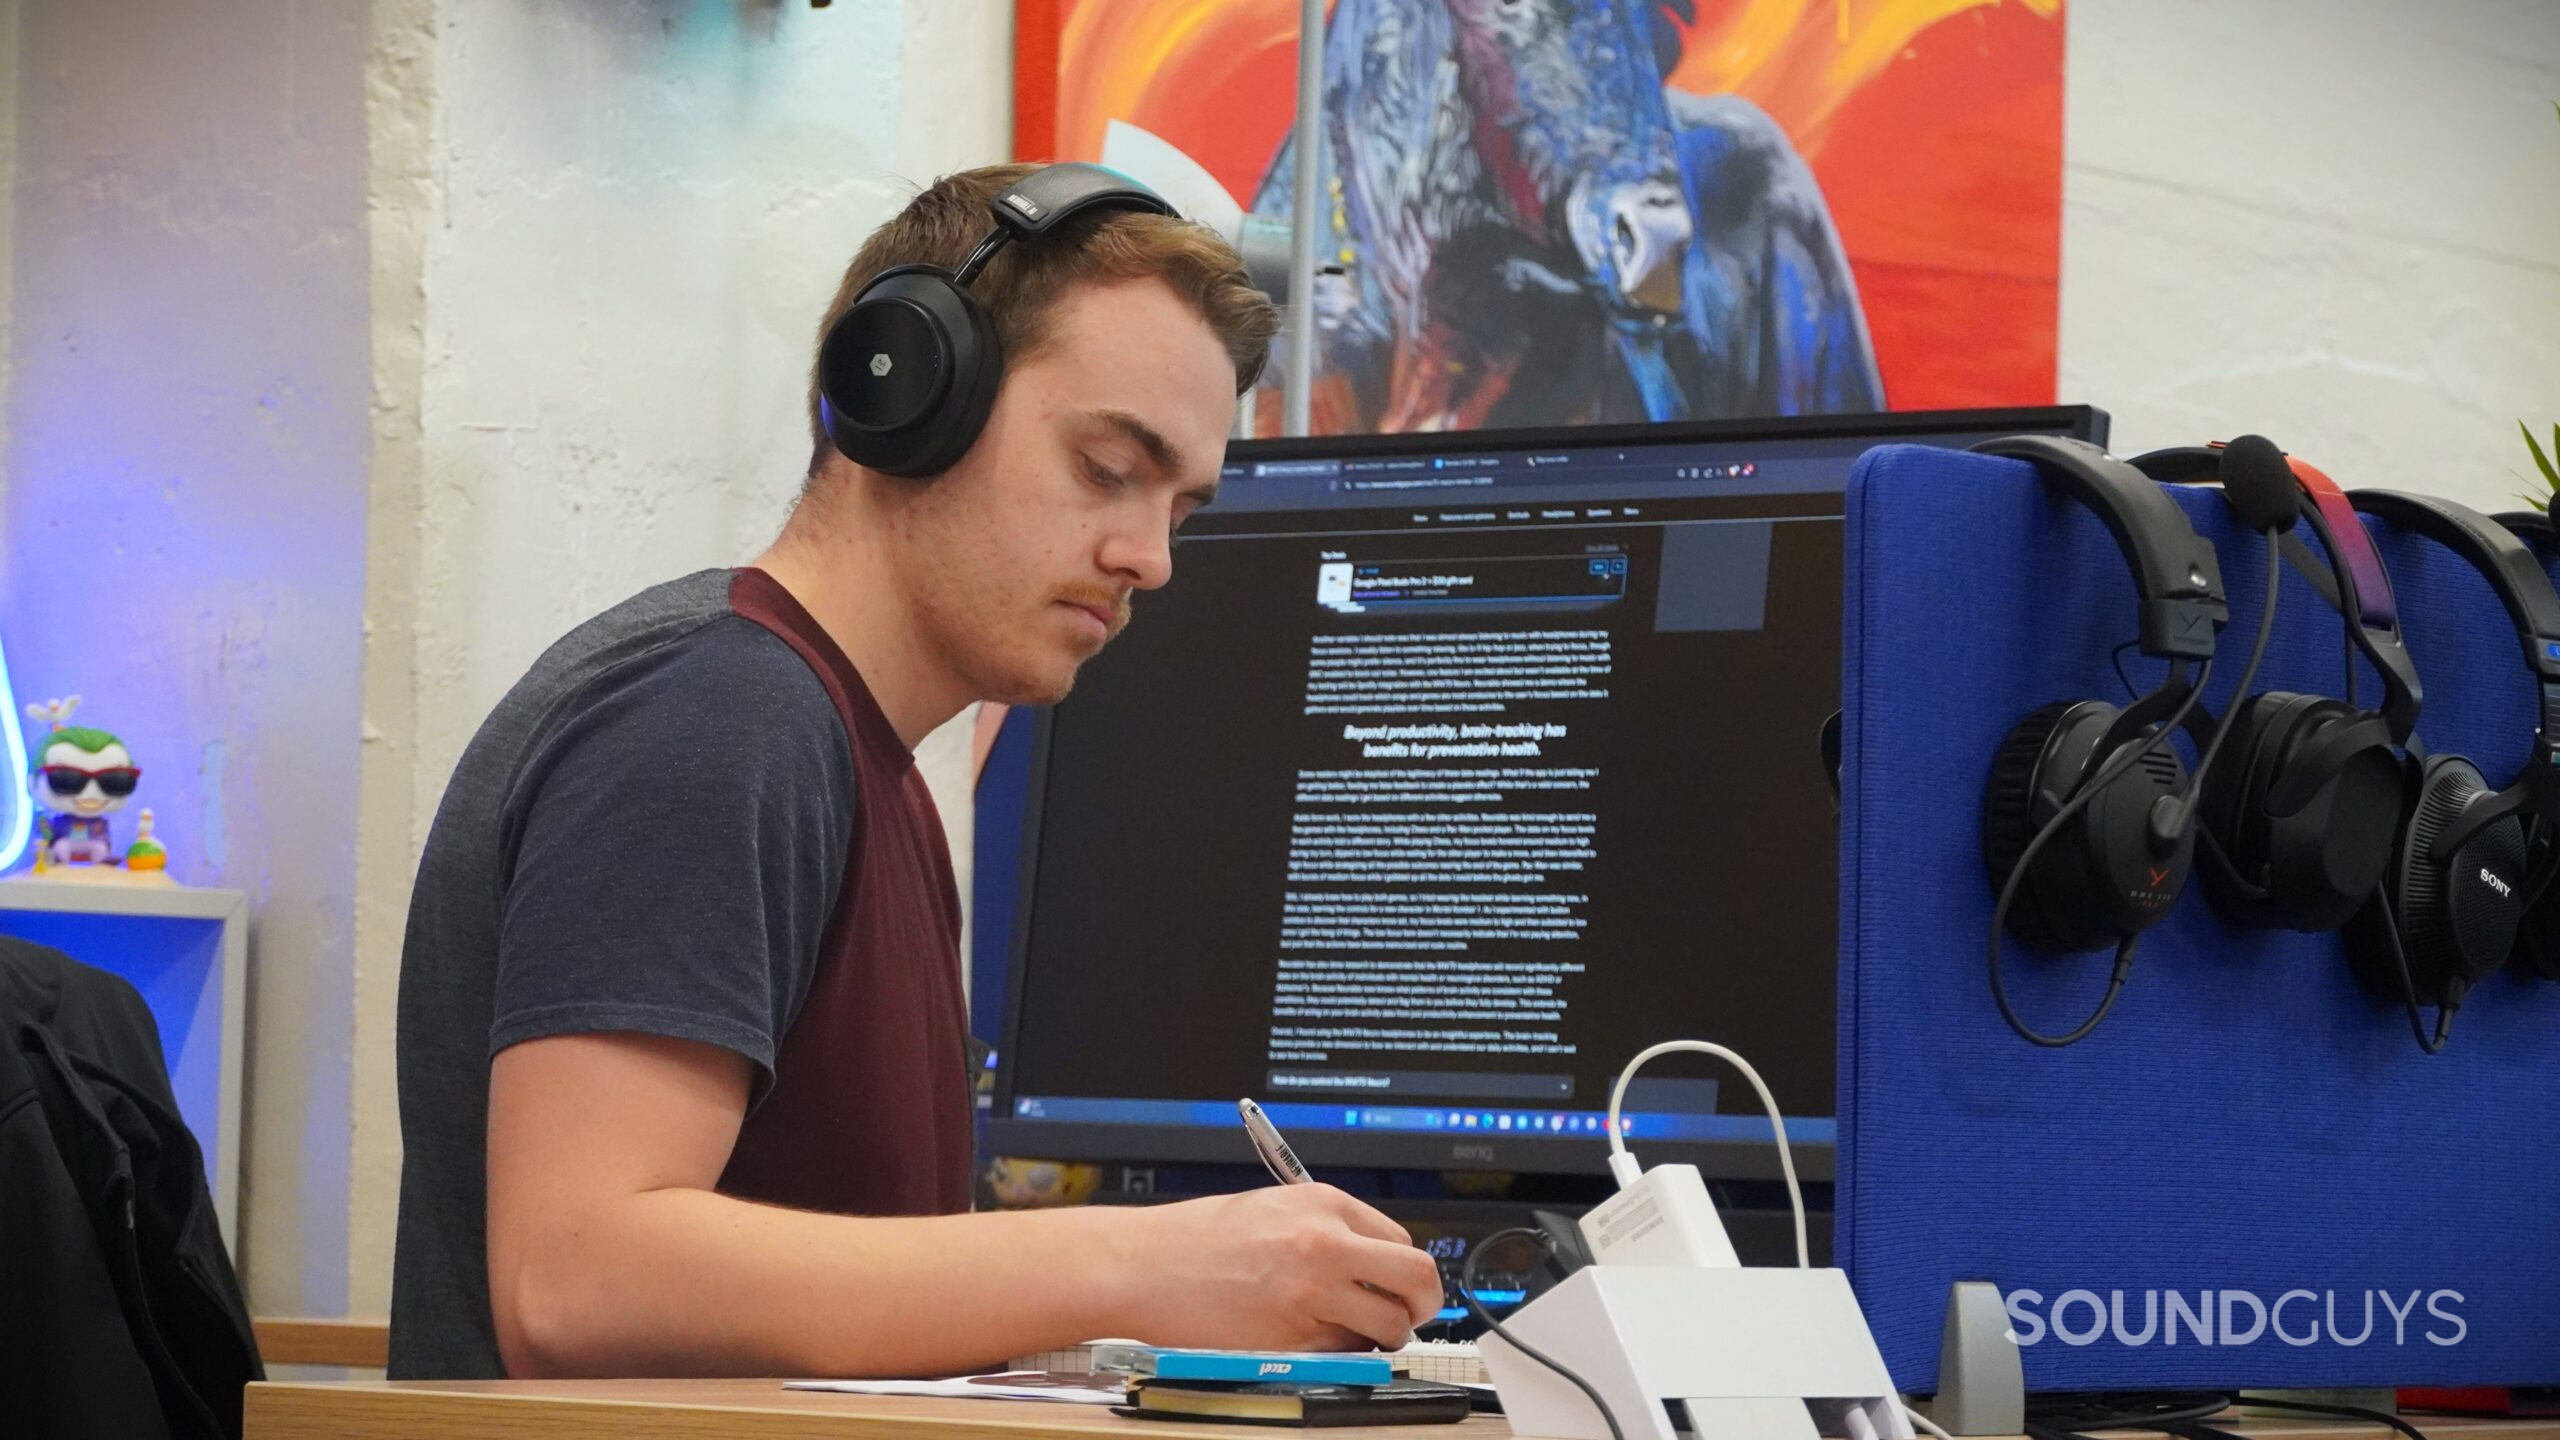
(1311, 1117)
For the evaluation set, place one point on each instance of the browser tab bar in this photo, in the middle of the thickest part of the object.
(1285, 469)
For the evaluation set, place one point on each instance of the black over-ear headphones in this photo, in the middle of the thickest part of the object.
(2538, 937)
(2456, 890)
(2088, 823)
(907, 374)
(2298, 826)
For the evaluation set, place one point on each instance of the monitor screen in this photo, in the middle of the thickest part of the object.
(1449, 772)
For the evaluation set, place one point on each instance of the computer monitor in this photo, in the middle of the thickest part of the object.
(1450, 771)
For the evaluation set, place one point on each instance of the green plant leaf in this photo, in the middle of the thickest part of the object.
(2550, 473)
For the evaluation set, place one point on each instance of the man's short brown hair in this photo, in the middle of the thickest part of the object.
(1021, 288)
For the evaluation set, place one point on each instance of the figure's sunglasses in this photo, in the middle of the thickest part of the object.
(67, 781)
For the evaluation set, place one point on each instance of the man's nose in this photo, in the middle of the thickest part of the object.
(1140, 553)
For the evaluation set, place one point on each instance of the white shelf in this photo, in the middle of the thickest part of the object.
(106, 897)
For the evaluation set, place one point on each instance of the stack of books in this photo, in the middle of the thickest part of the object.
(1276, 1387)
(1454, 1362)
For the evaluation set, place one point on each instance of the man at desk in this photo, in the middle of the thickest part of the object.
(683, 1079)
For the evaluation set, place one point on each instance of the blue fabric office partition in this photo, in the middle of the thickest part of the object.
(2248, 1120)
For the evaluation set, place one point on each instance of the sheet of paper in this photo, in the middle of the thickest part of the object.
(1073, 1387)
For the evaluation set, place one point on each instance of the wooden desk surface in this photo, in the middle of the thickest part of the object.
(664, 1409)
(763, 1410)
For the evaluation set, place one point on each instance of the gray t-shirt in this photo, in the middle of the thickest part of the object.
(649, 834)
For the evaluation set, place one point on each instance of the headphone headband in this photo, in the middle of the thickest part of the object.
(2363, 595)
(1040, 201)
(2513, 573)
(2176, 571)
(2533, 527)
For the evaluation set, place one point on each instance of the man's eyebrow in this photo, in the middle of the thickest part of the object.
(1161, 452)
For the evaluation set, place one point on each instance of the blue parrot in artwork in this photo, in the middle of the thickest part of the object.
(1531, 228)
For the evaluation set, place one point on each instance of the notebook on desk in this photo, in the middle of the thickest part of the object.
(1404, 1402)
(1451, 1362)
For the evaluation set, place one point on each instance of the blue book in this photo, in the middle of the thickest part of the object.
(1285, 1367)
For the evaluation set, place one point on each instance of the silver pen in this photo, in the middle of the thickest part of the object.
(1285, 1167)
(1276, 1155)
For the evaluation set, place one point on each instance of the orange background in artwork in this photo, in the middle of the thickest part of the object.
(1933, 126)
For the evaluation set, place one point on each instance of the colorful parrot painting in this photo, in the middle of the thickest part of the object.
(1546, 212)
(1531, 230)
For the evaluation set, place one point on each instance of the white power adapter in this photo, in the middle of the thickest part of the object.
(1660, 1217)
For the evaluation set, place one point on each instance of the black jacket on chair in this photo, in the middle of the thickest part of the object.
(119, 1310)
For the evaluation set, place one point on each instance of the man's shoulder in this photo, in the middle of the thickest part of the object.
(673, 658)
(662, 615)
(683, 634)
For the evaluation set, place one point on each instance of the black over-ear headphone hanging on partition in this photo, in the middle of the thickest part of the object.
(2298, 823)
(2452, 903)
(2537, 949)
(2089, 819)
(907, 374)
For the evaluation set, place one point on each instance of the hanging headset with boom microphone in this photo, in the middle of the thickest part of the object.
(2089, 819)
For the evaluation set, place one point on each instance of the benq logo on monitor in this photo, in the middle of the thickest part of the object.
(1472, 1152)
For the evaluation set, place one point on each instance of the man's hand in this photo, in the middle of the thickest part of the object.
(1284, 1267)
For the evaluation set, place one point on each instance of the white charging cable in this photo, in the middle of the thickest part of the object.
(1624, 1166)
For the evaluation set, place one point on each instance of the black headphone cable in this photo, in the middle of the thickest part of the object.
(2121, 762)
(2239, 695)
(2409, 981)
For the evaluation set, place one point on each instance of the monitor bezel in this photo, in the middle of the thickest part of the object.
(1753, 1159)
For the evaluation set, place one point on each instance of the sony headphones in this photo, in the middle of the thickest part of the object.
(2088, 825)
(2538, 937)
(907, 374)
(2454, 896)
(2297, 826)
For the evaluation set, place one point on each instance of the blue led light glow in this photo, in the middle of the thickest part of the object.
(13, 754)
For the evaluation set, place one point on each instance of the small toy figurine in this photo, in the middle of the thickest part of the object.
(82, 775)
(146, 852)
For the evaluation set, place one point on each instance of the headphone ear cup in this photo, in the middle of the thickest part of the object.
(2458, 918)
(2322, 859)
(907, 374)
(2009, 822)
(977, 372)
(2099, 879)
(2226, 812)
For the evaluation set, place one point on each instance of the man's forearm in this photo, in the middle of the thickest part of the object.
(683, 1281)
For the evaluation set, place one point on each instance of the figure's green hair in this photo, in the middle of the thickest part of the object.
(85, 737)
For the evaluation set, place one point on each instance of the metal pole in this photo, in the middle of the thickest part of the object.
(1297, 394)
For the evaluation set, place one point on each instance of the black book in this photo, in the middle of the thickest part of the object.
(1405, 1402)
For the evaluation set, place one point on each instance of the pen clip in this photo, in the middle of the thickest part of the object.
(1276, 1156)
